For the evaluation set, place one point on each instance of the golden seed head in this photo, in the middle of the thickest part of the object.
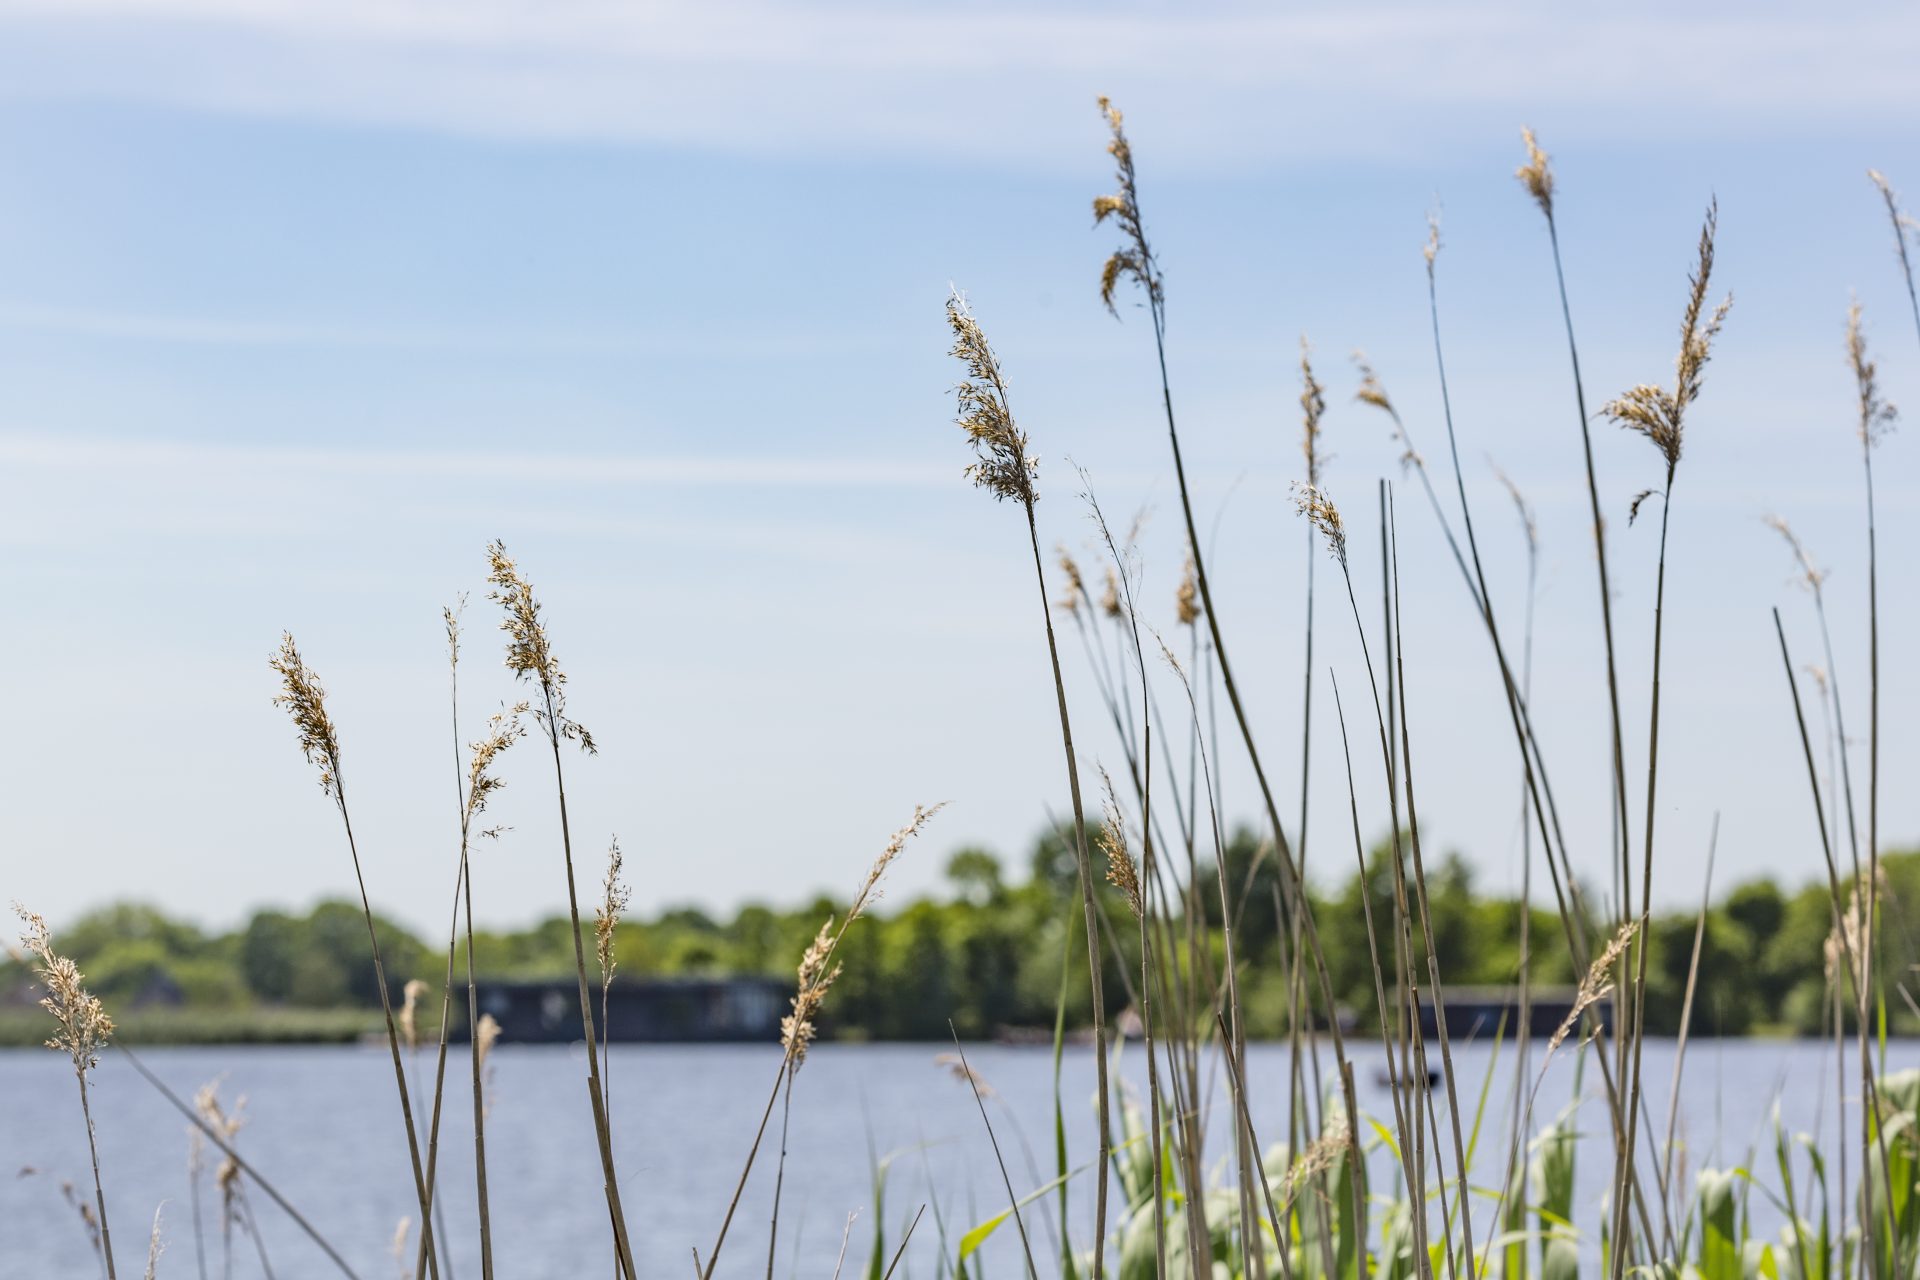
(870, 888)
(1001, 465)
(1133, 260)
(1110, 603)
(83, 1025)
(529, 651)
(1321, 1155)
(812, 980)
(964, 1073)
(1655, 412)
(409, 1010)
(227, 1125)
(614, 895)
(1431, 249)
(486, 1033)
(1121, 872)
(305, 699)
(1536, 174)
(1319, 510)
(1186, 599)
(1076, 588)
(1373, 392)
(1313, 403)
(1598, 983)
(1876, 415)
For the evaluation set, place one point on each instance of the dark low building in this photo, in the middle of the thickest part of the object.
(661, 1011)
(1481, 1012)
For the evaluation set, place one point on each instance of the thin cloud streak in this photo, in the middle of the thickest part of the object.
(786, 78)
(98, 454)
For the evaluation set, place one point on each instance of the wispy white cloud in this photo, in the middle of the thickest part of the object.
(1233, 81)
(24, 450)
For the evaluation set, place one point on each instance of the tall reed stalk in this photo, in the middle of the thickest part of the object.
(1001, 467)
(83, 1029)
(530, 657)
(304, 699)
(1659, 415)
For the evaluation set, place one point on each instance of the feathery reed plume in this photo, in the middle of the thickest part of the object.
(1431, 249)
(1653, 411)
(1597, 985)
(84, 1028)
(409, 1004)
(305, 701)
(398, 1246)
(1373, 392)
(1110, 595)
(486, 1034)
(1876, 415)
(225, 1124)
(1001, 465)
(1536, 175)
(1320, 512)
(1186, 599)
(530, 657)
(1133, 260)
(956, 1066)
(1313, 403)
(1076, 585)
(815, 975)
(155, 1245)
(812, 980)
(1122, 874)
(1903, 227)
(1321, 1155)
(1003, 468)
(614, 896)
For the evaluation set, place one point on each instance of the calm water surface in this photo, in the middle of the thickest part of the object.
(323, 1124)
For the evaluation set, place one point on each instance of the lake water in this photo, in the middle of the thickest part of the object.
(323, 1124)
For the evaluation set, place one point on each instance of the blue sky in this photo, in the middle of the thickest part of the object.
(302, 304)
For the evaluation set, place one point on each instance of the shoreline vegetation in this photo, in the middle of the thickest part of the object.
(1144, 902)
(985, 955)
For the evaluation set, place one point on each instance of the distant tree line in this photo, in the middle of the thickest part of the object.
(989, 954)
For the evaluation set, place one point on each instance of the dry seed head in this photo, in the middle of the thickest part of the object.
(1001, 465)
(1110, 595)
(1313, 403)
(504, 727)
(305, 699)
(1811, 575)
(1536, 174)
(958, 1068)
(1903, 223)
(155, 1246)
(896, 843)
(409, 1008)
(1653, 411)
(1321, 1155)
(450, 615)
(398, 1246)
(529, 651)
(227, 1124)
(1186, 599)
(1431, 249)
(1076, 586)
(1133, 260)
(1598, 983)
(1318, 508)
(1121, 872)
(1372, 391)
(84, 1027)
(1876, 415)
(614, 895)
(812, 980)
(486, 1033)
(1817, 674)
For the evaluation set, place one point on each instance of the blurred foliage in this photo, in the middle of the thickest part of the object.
(988, 954)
